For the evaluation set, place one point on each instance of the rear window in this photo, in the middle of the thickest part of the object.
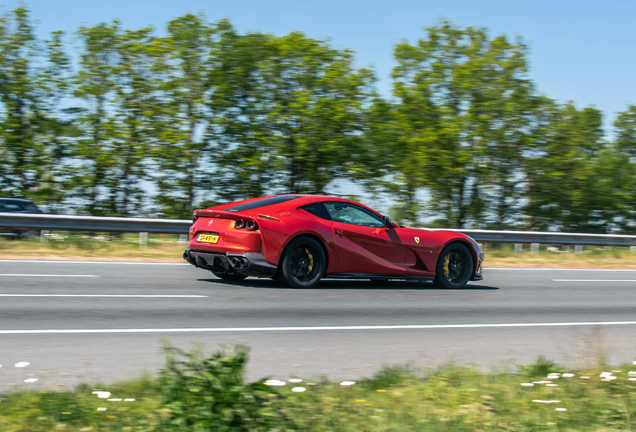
(261, 203)
(16, 206)
(10, 207)
(319, 210)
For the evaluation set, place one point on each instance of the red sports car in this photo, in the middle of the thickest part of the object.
(299, 239)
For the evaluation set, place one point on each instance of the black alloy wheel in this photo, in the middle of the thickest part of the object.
(303, 263)
(229, 276)
(454, 266)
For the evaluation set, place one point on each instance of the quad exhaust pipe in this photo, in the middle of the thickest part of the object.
(236, 262)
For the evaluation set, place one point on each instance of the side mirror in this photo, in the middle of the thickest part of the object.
(386, 222)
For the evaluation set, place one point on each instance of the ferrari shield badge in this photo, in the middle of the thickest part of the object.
(417, 239)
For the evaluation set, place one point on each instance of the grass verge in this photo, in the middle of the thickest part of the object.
(166, 248)
(195, 392)
(92, 247)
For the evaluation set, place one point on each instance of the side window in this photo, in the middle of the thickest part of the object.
(352, 214)
(11, 207)
(319, 210)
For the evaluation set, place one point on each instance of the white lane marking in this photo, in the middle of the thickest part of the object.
(326, 328)
(594, 280)
(557, 269)
(46, 275)
(93, 262)
(108, 295)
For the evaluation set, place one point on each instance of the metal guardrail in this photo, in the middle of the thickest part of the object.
(556, 238)
(180, 226)
(92, 223)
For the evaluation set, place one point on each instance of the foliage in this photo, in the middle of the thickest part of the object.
(448, 397)
(210, 393)
(540, 367)
(288, 109)
(153, 125)
(181, 153)
(34, 129)
(464, 113)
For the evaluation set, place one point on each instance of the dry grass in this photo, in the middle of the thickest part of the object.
(592, 257)
(64, 246)
(166, 248)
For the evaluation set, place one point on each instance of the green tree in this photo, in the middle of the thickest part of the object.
(239, 133)
(318, 112)
(290, 113)
(625, 128)
(119, 85)
(21, 153)
(563, 174)
(137, 107)
(33, 131)
(465, 108)
(625, 144)
(183, 162)
(57, 131)
(96, 87)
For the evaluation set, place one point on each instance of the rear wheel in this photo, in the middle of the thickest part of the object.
(454, 266)
(303, 263)
(229, 276)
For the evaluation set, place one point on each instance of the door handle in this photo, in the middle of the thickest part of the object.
(339, 233)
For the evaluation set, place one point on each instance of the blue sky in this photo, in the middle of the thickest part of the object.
(580, 50)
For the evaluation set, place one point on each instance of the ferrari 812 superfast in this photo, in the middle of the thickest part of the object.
(300, 239)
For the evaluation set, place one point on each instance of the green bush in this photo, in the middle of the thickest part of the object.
(540, 367)
(211, 394)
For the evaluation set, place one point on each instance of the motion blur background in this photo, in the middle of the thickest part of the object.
(473, 115)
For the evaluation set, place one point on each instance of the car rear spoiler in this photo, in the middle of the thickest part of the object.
(218, 214)
(230, 215)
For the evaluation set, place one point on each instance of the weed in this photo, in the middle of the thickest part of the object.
(541, 367)
(210, 393)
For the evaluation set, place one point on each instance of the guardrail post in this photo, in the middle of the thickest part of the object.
(143, 240)
(44, 236)
(632, 249)
(534, 248)
(518, 247)
(578, 249)
(183, 239)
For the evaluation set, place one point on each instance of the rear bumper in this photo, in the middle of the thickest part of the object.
(247, 263)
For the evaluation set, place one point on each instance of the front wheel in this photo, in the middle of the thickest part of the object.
(229, 276)
(303, 263)
(454, 266)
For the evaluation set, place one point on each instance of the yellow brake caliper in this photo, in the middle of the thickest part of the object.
(311, 262)
(446, 261)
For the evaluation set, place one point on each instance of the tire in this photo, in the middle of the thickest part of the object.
(303, 263)
(229, 276)
(455, 266)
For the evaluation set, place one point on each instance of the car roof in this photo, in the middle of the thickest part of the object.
(300, 198)
(18, 200)
(299, 201)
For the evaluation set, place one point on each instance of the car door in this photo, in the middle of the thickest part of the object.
(363, 244)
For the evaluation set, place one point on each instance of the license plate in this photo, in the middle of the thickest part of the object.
(208, 238)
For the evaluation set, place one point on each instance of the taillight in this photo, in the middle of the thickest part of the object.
(251, 225)
(239, 223)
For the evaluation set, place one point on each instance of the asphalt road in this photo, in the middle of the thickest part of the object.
(105, 321)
